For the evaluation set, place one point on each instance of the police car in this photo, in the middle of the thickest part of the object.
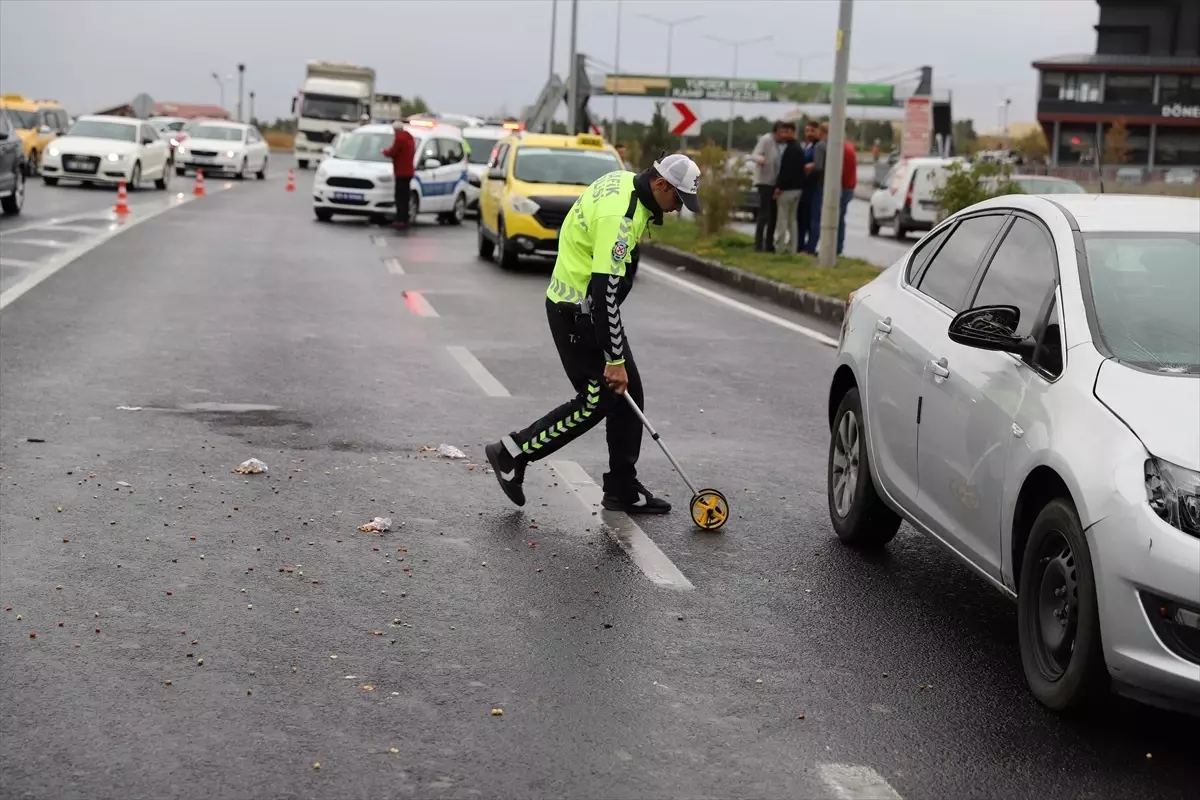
(356, 179)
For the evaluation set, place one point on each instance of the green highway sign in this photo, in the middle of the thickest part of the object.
(744, 90)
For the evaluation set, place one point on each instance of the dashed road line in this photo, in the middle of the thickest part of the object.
(393, 265)
(855, 782)
(640, 548)
(43, 243)
(740, 306)
(417, 304)
(16, 262)
(478, 372)
(379, 241)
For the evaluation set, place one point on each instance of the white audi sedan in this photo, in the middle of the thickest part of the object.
(1023, 387)
(100, 149)
(219, 146)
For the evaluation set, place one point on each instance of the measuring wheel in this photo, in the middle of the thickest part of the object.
(710, 509)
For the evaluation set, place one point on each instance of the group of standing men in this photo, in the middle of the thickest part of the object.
(789, 175)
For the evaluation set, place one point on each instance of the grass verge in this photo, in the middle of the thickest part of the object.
(278, 140)
(737, 250)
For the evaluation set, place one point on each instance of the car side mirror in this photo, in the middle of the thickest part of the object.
(991, 328)
(431, 163)
(496, 174)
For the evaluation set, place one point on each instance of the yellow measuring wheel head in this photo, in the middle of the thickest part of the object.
(710, 509)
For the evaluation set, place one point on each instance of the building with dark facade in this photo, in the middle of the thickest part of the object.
(1145, 71)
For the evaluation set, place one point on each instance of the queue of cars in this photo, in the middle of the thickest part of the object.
(1024, 388)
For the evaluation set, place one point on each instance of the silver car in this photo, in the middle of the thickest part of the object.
(1024, 388)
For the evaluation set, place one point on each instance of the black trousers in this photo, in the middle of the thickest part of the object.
(402, 194)
(583, 361)
(764, 222)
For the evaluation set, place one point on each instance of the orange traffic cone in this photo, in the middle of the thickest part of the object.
(199, 190)
(291, 184)
(122, 206)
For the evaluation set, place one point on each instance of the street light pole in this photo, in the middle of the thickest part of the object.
(738, 45)
(617, 71)
(800, 62)
(553, 33)
(251, 105)
(832, 192)
(221, 85)
(241, 78)
(670, 26)
(573, 88)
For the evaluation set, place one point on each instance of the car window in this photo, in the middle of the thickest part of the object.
(1021, 274)
(5, 125)
(952, 270)
(452, 151)
(148, 134)
(925, 251)
(429, 149)
(501, 158)
(1049, 354)
(253, 136)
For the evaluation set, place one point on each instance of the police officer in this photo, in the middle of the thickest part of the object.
(596, 263)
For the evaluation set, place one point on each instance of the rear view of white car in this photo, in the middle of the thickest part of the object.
(219, 146)
(905, 200)
(100, 149)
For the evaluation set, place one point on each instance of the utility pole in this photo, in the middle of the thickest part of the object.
(736, 47)
(252, 105)
(241, 77)
(573, 87)
(832, 192)
(670, 26)
(617, 71)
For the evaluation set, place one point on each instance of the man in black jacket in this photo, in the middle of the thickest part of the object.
(787, 194)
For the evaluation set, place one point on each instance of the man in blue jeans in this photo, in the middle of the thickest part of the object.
(816, 173)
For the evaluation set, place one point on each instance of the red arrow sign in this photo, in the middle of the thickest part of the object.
(684, 121)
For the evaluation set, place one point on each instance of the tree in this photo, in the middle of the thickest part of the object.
(720, 187)
(656, 139)
(965, 138)
(416, 105)
(1116, 143)
(980, 181)
(1032, 146)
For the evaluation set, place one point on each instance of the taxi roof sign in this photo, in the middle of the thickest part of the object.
(589, 140)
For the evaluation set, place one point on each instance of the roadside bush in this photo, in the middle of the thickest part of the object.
(279, 140)
(720, 186)
(967, 185)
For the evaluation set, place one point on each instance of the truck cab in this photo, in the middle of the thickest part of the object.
(335, 99)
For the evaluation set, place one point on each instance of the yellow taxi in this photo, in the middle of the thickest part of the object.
(531, 183)
(38, 122)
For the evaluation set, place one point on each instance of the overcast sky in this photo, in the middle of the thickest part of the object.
(479, 56)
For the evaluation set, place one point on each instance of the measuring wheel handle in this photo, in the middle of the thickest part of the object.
(709, 509)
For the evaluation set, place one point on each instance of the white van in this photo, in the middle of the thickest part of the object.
(356, 179)
(904, 199)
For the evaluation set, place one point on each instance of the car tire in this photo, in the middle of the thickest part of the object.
(506, 257)
(50, 181)
(459, 212)
(13, 204)
(898, 229)
(872, 223)
(860, 517)
(1058, 616)
(486, 246)
(323, 214)
(164, 182)
(135, 177)
(262, 173)
(302, 164)
(241, 173)
(180, 172)
(414, 207)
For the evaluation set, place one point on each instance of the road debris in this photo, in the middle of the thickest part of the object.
(377, 525)
(450, 451)
(497, 712)
(250, 466)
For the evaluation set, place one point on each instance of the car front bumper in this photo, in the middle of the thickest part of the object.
(106, 171)
(187, 162)
(362, 202)
(528, 236)
(1148, 589)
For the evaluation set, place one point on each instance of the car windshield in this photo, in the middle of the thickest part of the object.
(364, 146)
(102, 129)
(481, 149)
(24, 120)
(1044, 186)
(342, 109)
(562, 165)
(1145, 292)
(221, 132)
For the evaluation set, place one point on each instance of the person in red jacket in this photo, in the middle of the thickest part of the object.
(849, 183)
(402, 153)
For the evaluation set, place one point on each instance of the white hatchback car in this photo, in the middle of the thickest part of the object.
(357, 179)
(100, 149)
(220, 146)
(1024, 388)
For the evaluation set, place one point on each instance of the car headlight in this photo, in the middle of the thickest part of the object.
(53, 151)
(386, 179)
(230, 154)
(116, 157)
(1174, 494)
(181, 149)
(523, 205)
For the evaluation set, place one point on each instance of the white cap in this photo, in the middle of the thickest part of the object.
(682, 173)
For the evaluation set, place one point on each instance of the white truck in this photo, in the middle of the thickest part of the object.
(335, 99)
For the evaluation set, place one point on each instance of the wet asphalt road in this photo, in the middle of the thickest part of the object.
(241, 327)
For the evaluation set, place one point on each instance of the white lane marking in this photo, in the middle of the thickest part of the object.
(79, 249)
(419, 305)
(42, 242)
(855, 782)
(16, 262)
(478, 372)
(393, 266)
(379, 241)
(740, 306)
(640, 548)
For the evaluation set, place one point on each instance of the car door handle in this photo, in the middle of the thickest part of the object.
(884, 325)
(939, 368)
(1017, 430)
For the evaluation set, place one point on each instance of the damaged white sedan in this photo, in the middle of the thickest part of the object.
(1024, 388)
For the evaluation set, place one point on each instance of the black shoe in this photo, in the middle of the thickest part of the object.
(509, 472)
(637, 500)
